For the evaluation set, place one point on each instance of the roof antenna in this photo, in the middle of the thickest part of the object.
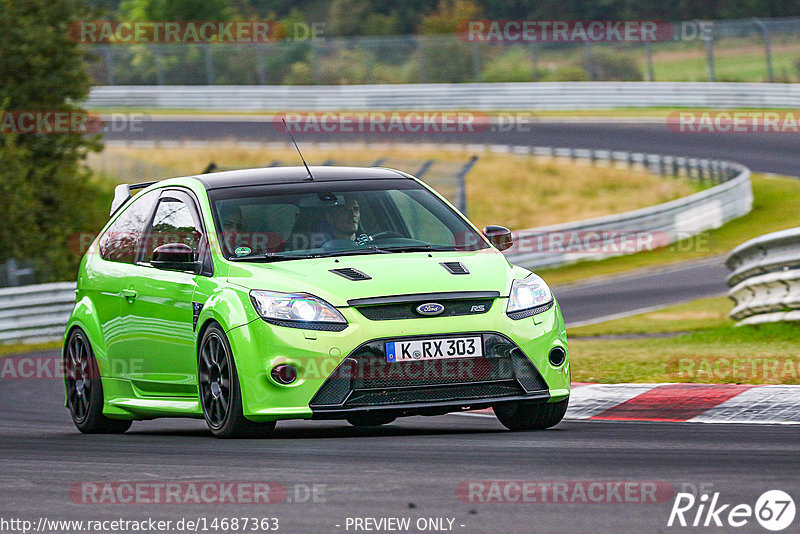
(310, 176)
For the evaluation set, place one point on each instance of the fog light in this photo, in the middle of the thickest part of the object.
(284, 374)
(557, 356)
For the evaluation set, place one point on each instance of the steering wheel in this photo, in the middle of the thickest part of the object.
(386, 235)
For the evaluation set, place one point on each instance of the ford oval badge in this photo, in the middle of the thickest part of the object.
(430, 308)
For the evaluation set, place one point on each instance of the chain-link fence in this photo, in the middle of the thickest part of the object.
(757, 50)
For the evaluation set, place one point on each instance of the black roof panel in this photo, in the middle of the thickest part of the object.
(285, 175)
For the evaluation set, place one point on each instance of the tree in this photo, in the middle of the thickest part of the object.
(448, 16)
(46, 192)
(176, 10)
(346, 17)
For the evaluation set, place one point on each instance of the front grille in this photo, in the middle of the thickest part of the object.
(524, 314)
(308, 325)
(441, 393)
(365, 378)
(408, 310)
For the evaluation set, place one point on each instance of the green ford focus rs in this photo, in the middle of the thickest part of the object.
(248, 297)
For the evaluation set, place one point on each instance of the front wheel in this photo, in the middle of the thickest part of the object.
(85, 390)
(220, 394)
(523, 416)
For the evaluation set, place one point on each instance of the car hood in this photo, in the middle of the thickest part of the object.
(390, 274)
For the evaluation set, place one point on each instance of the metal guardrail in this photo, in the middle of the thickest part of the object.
(35, 313)
(765, 278)
(650, 227)
(39, 312)
(472, 96)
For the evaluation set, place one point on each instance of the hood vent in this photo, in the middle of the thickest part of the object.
(455, 267)
(351, 274)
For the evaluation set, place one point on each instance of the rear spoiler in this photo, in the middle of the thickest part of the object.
(122, 193)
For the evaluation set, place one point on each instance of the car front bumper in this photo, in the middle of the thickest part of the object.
(340, 373)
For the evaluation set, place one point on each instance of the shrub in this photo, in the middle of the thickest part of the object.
(512, 66)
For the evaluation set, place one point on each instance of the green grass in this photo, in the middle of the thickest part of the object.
(707, 348)
(22, 348)
(691, 316)
(775, 207)
(736, 64)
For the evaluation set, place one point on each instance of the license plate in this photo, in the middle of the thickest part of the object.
(434, 349)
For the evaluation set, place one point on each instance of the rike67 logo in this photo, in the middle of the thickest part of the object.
(774, 510)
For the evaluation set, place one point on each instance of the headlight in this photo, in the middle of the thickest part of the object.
(528, 297)
(297, 310)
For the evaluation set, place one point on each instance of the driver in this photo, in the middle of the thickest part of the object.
(232, 226)
(344, 219)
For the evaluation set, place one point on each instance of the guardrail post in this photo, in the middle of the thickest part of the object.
(461, 185)
(648, 51)
(593, 157)
(261, 72)
(675, 169)
(159, 65)
(369, 60)
(108, 59)
(421, 60)
(209, 63)
(708, 39)
(534, 62)
(314, 61)
(425, 166)
(476, 61)
(590, 62)
(767, 48)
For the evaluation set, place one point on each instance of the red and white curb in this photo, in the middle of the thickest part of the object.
(690, 403)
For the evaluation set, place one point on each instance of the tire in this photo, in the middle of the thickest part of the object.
(370, 419)
(220, 394)
(85, 389)
(521, 416)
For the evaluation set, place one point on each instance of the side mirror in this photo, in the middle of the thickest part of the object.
(175, 257)
(499, 236)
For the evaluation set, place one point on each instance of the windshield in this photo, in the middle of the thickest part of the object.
(316, 219)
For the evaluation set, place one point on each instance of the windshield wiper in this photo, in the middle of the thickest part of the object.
(368, 250)
(280, 256)
(419, 248)
(272, 256)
